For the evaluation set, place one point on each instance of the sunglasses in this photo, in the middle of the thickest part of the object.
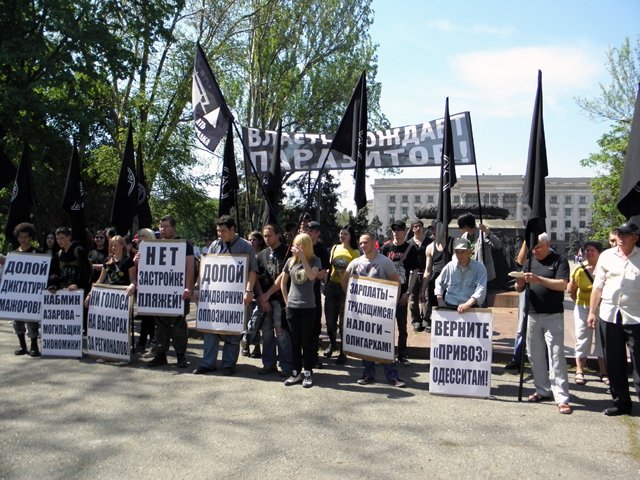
(99, 238)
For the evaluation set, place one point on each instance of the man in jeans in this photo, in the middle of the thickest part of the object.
(271, 261)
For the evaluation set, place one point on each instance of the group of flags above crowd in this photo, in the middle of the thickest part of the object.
(213, 120)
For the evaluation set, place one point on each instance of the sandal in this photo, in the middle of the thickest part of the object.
(565, 408)
(537, 398)
(579, 378)
(604, 378)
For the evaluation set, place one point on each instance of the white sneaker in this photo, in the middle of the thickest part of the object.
(308, 381)
(294, 378)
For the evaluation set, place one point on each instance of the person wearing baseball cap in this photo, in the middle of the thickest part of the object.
(614, 309)
(463, 281)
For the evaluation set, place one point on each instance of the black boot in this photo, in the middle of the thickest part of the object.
(23, 346)
(182, 361)
(157, 361)
(34, 352)
(333, 346)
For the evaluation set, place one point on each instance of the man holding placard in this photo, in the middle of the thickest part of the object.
(228, 242)
(374, 265)
(463, 282)
(173, 327)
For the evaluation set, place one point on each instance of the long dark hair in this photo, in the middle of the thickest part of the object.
(353, 241)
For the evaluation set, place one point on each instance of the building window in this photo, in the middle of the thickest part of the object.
(429, 198)
(392, 211)
(405, 198)
(567, 224)
(582, 200)
(471, 199)
(405, 212)
(583, 212)
(510, 202)
(567, 212)
(568, 199)
(553, 199)
(554, 224)
(553, 236)
(583, 224)
(416, 199)
(392, 199)
(456, 199)
(554, 212)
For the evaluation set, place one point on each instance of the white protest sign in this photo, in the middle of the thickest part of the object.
(62, 323)
(461, 352)
(109, 322)
(161, 277)
(25, 277)
(368, 331)
(222, 282)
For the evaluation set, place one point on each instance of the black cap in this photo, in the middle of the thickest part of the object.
(627, 228)
(399, 224)
(313, 225)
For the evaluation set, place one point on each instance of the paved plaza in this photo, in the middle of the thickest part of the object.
(79, 419)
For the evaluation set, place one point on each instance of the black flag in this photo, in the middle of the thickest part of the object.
(144, 211)
(229, 182)
(351, 138)
(273, 184)
(22, 198)
(629, 199)
(7, 168)
(125, 199)
(211, 115)
(73, 200)
(534, 187)
(447, 181)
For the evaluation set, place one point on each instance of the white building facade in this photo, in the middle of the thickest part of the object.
(569, 201)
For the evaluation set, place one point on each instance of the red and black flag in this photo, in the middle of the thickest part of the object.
(144, 211)
(125, 199)
(351, 138)
(534, 179)
(629, 199)
(229, 183)
(447, 180)
(211, 115)
(273, 184)
(73, 200)
(23, 197)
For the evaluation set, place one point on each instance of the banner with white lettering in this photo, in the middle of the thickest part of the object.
(109, 322)
(222, 282)
(418, 145)
(161, 277)
(461, 352)
(369, 319)
(62, 323)
(25, 277)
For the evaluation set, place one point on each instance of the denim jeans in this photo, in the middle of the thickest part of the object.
(230, 350)
(390, 370)
(273, 332)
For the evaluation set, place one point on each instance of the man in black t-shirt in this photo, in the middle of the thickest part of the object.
(547, 279)
(404, 256)
(271, 261)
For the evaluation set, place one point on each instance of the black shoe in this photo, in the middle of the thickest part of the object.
(365, 381)
(256, 352)
(342, 359)
(158, 361)
(417, 327)
(201, 370)
(21, 351)
(182, 361)
(427, 326)
(228, 371)
(512, 365)
(328, 352)
(404, 361)
(267, 370)
(615, 411)
(34, 352)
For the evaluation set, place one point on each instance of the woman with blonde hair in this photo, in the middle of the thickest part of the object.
(300, 302)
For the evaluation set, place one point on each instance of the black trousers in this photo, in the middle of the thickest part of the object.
(615, 337)
(303, 339)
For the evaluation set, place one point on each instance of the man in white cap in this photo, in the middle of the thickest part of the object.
(463, 281)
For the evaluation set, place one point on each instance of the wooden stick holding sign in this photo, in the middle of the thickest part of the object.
(23, 281)
(461, 352)
(368, 331)
(161, 277)
(108, 324)
(221, 283)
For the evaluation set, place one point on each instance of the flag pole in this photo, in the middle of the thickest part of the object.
(525, 320)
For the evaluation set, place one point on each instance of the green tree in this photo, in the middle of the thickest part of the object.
(616, 104)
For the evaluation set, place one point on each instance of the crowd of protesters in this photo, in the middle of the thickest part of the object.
(290, 271)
